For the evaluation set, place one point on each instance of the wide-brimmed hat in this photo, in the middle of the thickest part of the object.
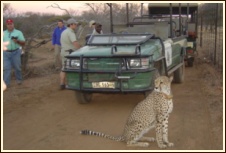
(71, 21)
(91, 23)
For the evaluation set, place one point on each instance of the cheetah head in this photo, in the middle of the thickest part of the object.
(163, 84)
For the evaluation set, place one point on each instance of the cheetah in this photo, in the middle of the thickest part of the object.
(152, 112)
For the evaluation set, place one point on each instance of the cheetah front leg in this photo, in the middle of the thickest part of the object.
(165, 132)
(159, 137)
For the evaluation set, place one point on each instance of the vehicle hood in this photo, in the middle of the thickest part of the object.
(121, 50)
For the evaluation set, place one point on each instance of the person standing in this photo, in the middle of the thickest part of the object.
(93, 25)
(56, 43)
(68, 42)
(12, 54)
(98, 29)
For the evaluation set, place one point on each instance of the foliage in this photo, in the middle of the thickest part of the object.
(8, 11)
(30, 22)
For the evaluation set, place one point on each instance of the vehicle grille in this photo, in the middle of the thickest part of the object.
(98, 64)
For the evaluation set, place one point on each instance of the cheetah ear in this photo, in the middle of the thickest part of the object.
(171, 78)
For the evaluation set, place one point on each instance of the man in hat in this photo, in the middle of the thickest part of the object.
(98, 29)
(69, 43)
(93, 25)
(12, 54)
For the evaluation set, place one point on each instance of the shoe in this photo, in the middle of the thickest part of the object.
(62, 87)
(19, 82)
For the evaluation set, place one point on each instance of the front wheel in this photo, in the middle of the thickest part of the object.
(82, 97)
(190, 62)
(179, 75)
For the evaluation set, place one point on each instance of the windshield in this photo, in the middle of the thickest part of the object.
(118, 39)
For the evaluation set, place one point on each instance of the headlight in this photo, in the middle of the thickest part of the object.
(75, 64)
(134, 63)
(72, 64)
(139, 63)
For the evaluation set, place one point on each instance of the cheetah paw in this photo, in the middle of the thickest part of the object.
(170, 144)
(145, 144)
(162, 146)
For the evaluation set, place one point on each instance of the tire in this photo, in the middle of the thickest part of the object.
(82, 97)
(179, 75)
(190, 63)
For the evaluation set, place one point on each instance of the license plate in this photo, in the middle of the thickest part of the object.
(103, 84)
(190, 44)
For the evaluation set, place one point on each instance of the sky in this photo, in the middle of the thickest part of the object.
(42, 6)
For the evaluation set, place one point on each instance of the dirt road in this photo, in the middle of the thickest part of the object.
(38, 116)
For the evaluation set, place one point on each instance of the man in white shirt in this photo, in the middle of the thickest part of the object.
(68, 42)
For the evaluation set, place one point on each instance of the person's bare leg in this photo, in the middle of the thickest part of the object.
(62, 79)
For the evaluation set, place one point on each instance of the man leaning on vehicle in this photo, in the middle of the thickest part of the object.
(68, 42)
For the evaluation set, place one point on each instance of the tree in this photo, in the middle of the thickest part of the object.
(100, 12)
(8, 11)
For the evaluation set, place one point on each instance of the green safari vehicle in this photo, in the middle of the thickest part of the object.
(129, 59)
(123, 63)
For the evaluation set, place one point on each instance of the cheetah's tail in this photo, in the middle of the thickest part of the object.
(89, 132)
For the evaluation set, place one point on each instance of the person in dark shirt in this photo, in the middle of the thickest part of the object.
(56, 43)
(98, 29)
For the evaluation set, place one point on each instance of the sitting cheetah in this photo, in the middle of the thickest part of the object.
(152, 112)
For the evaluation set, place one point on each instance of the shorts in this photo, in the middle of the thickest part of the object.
(63, 59)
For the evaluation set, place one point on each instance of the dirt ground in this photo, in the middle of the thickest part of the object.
(39, 116)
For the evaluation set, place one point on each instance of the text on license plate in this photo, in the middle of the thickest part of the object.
(103, 84)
